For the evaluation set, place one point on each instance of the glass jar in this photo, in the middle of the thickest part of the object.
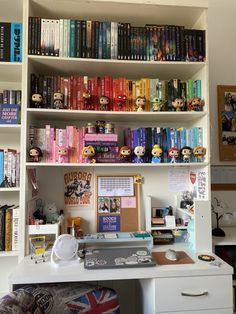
(100, 126)
(90, 128)
(109, 128)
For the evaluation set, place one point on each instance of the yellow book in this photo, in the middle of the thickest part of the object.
(8, 230)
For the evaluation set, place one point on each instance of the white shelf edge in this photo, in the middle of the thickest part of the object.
(85, 60)
(44, 164)
(9, 254)
(11, 63)
(10, 189)
(169, 228)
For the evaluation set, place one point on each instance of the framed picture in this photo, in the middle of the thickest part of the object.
(227, 122)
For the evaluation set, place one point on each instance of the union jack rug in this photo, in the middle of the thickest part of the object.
(98, 301)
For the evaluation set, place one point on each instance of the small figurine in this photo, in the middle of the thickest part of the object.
(58, 100)
(195, 104)
(156, 154)
(186, 153)
(88, 152)
(157, 104)
(139, 152)
(121, 100)
(178, 104)
(62, 154)
(125, 153)
(87, 100)
(51, 213)
(199, 152)
(104, 102)
(140, 103)
(173, 153)
(35, 154)
(37, 100)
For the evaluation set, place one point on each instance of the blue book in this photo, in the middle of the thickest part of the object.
(9, 114)
(72, 39)
(182, 138)
(16, 42)
(1, 167)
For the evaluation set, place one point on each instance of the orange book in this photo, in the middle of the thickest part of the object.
(8, 230)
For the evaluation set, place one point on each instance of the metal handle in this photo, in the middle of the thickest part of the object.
(185, 294)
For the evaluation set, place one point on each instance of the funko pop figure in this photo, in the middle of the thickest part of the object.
(88, 152)
(121, 100)
(140, 103)
(156, 154)
(125, 153)
(157, 104)
(104, 102)
(173, 153)
(139, 152)
(186, 153)
(62, 153)
(178, 104)
(199, 152)
(58, 100)
(195, 104)
(35, 154)
(87, 100)
(37, 101)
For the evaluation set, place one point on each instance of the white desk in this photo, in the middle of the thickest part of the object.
(159, 288)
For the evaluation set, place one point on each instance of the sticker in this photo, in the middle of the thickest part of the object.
(128, 202)
(206, 258)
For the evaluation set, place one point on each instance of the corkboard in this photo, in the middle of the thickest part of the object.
(118, 204)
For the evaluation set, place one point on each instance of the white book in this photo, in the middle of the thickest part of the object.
(61, 38)
(15, 228)
(43, 37)
(56, 37)
(65, 36)
(47, 37)
(112, 40)
(51, 37)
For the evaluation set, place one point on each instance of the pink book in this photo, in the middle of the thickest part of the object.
(52, 146)
(47, 143)
(101, 137)
(81, 144)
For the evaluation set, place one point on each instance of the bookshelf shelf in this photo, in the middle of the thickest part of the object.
(161, 165)
(8, 254)
(115, 68)
(169, 228)
(9, 189)
(13, 128)
(112, 116)
(10, 72)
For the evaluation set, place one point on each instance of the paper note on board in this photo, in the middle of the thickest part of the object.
(115, 186)
(128, 202)
(178, 179)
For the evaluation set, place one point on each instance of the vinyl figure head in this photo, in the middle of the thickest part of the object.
(104, 102)
(35, 154)
(37, 100)
(58, 100)
(88, 152)
(140, 103)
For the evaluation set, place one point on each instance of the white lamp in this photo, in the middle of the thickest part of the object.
(64, 251)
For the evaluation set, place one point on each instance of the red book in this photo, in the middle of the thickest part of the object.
(94, 92)
(78, 93)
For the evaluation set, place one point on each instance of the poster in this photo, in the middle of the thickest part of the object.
(78, 189)
(109, 223)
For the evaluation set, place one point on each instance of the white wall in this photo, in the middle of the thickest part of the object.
(222, 71)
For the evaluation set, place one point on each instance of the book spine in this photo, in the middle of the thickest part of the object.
(88, 39)
(15, 228)
(17, 169)
(5, 42)
(2, 230)
(56, 38)
(43, 37)
(72, 39)
(30, 22)
(83, 39)
(47, 143)
(101, 137)
(1, 168)
(61, 38)
(8, 230)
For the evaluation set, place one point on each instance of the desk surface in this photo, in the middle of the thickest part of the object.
(229, 239)
(28, 272)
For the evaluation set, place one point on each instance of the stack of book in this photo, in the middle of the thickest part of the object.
(11, 41)
(114, 40)
(9, 168)
(9, 227)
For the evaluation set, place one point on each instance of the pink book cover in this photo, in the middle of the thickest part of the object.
(69, 141)
(78, 93)
(75, 140)
(101, 137)
(47, 143)
(81, 144)
(52, 146)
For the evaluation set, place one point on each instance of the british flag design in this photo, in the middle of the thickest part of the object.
(99, 301)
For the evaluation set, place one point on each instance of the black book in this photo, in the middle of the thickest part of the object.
(5, 42)
(83, 39)
(78, 39)
(30, 35)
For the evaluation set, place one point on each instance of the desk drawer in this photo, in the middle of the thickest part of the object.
(193, 293)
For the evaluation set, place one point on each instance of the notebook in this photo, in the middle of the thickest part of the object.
(118, 258)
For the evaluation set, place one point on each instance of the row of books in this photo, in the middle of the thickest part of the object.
(11, 41)
(10, 96)
(114, 40)
(9, 168)
(165, 138)
(73, 88)
(9, 227)
(74, 139)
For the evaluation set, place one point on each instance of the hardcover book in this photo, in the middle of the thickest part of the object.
(9, 114)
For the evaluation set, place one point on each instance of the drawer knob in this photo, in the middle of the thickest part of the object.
(186, 294)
